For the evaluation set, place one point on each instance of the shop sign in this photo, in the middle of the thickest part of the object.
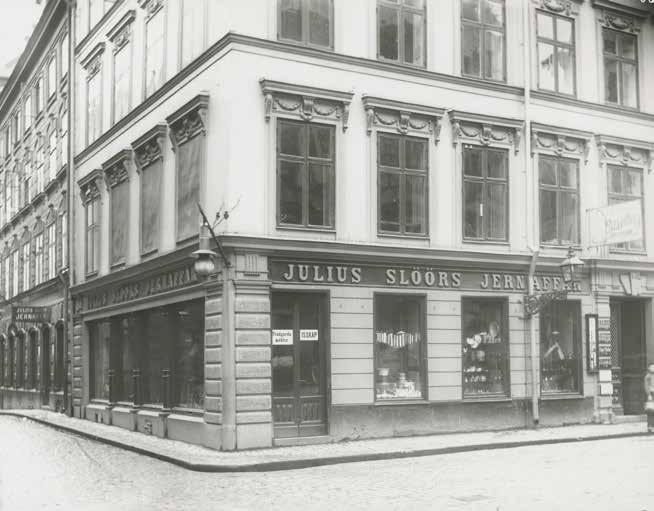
(413, 277)
(308, 335)
(606, 389)
(604, 349)
(282, 337)
(154, 285)
(592, 355)
(24, 316)
(617, 223)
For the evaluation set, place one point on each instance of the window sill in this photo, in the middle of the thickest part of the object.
(380, 58)
(306, 44)
(483, 79)
(91, 275)
(149, 254)
(628, 252)
(562, 395)
(303, 228)
(391, 235)
(486, 242)
(38, 198)
(488, 399)
(51, 184)
(552, 246)
(626, 109)
(195, 412)
(118, 266)
(558, 94)
(401, 402)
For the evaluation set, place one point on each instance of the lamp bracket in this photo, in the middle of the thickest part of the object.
(205, 221)
(534, 303)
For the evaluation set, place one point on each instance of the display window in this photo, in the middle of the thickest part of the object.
(485, 348)
(560, 347)
(399, 347)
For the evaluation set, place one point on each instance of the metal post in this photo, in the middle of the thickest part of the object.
(165, 387)
(111, 376)
(136, 386)
(535, 357)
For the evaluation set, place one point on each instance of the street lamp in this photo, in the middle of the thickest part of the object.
(570, 267)
(204, 264)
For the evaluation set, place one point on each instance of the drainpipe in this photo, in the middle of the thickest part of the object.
(535, 358)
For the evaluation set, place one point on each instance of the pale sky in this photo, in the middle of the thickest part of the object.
(17, 21)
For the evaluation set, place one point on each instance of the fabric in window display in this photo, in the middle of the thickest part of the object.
(495, 212)
(473, 200)
(560, 344)
(100, 343)
(629, 85)
(546, 63)
(416, 190)
(565, 62)
(494, 55)
(188, 383)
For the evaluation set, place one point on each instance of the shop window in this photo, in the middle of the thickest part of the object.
(309, 22)
(620, 68)
(560, 347)
(556, 52)
(3, 360)
(559, 200)
(399, 347)
(192, 39)
(401, 31)
(305, 174)
(485, 193)
(10, 376)
(100, 343)
(188, 357)
(485, 347)
(482, 38)
(124, 345)
(626, 185)
(155, 51)
(20, 360)
(402, 184)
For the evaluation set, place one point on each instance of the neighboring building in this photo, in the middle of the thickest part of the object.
(33, 218)
(386, 166)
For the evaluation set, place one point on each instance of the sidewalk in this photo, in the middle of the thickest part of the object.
(201, 459)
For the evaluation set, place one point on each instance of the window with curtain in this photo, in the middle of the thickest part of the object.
(92, 235)
(188, 354)
(559, 200)
(482, 39)
(155, 48)
(63, 229)
(305, 174)
(52, 76)
(401, 31)
(402, 184)
(119, 221)
(26, 260)
(560, 347)
(52, 254)
(485, 193)
(620, 68)
(625, 185)
(556, 52)
(193, 29)
(38, 258)
(151, 206)
(307, 21)
(122, 81)
(93, 107)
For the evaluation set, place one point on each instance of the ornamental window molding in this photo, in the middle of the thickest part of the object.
(121, 33)
(92, 63)
(188, 121)
(116, 169)
(151, 7)
(405, 118)
(148, 148)
(560, 141)
(568, 8)
(305, 103)
(619, 22)
(89, 186)
(485, 130)
(625, 152)
(621, 17)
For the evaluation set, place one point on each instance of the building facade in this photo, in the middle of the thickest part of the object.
(34, 218)
(379, 175)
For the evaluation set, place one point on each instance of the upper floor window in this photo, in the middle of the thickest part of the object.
(93, 235)
(15, 124)
(38, 259)
(52, 254)
(308, 22)
(25, 256)
(626, 184)
(556, 52)
(122, 82)
(116, 176)
(485, 193)
(64, 56)
(401, 31)
(482, 38)
(52, 155)
(193, 29)
(620, 68)
(38, 96)
(27, 111)
(402, 183)
(97, 8)
(559, 200)
(94, 107)
(63, 121)
(52, 76)
(63, 238)
(39, 159)
(155, 51)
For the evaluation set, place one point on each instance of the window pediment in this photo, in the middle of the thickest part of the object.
(620, 151)
(405, 118)
(618, 16)
(149, 148)
(485, 130)
(120, 34)
(189, 120)
(560, 141)
(151, 6)
(116, 170)
(90, 185)
(568, 8)
(304, 102)
(93, 61)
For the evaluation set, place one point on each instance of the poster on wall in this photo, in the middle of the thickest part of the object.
(592, 355)
(282, 337)
(308, 335)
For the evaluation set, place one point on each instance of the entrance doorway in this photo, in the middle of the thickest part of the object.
(299, 330)
(629, 355)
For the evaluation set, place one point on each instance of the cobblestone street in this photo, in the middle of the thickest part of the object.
(79, 474)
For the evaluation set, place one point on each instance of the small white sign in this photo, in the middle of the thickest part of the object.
(308, 335)
(605, 375)
(282, 337)
(606, 389)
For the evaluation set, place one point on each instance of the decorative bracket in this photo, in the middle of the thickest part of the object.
(189, 121)
(149, 147)
(93, 61)
(560, 141)
(621, 151)
(305, 102)
(485, 130)
(90, 185)
(151, 6)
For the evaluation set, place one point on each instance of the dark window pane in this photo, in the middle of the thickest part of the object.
(545, 25)
(470, 10)
(615, 180)
(188, 187)
(560, 346)
(565, 59)
(389, 151)
(493, 13)
(627, 46)
(494, 55)
(155, 353)
(471, 51)
(320, 195)
(495, 211)
(290, 203)
(414, 38)
(415, 154)
(633, 183)
(100, 338)
(564, 30)
(150, 206)
(568, 173)
(319, 14)
(415, 213)
(472, 161)
(473, 194)
(389, 201)
(548, 216)
(629, 85)
(496, 164)
(611, 80)
(320, 141)
(291, 138)
(188, 388)
(547, 171)
(546, 66)
(291, 19)
(569, 218)
(119, 221)
(610, 42)
(388, 33)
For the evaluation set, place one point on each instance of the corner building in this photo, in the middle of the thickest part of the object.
(377, 186)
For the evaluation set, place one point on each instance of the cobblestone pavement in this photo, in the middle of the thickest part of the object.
(41, 468)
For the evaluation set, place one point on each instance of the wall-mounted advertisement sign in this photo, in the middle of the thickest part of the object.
(592, 355)
(308, 335)
(282, 337)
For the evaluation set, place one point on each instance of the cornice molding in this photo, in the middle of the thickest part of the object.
(149, 147)
(305, 102)
(93, 60)
(151, 7)
(121, 33)
(189, 120)
(90, 185)
(622, 151)
(560, 141)
(485, 129)
(568, 8)
(621, 9)
(403, 117)
(619, 21)
(116, 169)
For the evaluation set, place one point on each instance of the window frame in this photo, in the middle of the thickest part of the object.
(620, 60)
(160, 14)
(92, 232)
(51, 71)
(51, 267)
(182, 4)
(556, 44)
(127, 47)
(401, 8)
(306, 39)
(403, 172)
(93, 135)
(626, 247)
(558, 189)
(38, 258)
(482, 26)
(26, 262)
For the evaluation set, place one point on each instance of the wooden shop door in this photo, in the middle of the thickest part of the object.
(298, 364)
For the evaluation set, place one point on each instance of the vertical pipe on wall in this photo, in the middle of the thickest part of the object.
(228, 401)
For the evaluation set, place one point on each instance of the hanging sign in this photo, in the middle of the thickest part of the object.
(282, 337)
(617, 223)
(308, 335)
